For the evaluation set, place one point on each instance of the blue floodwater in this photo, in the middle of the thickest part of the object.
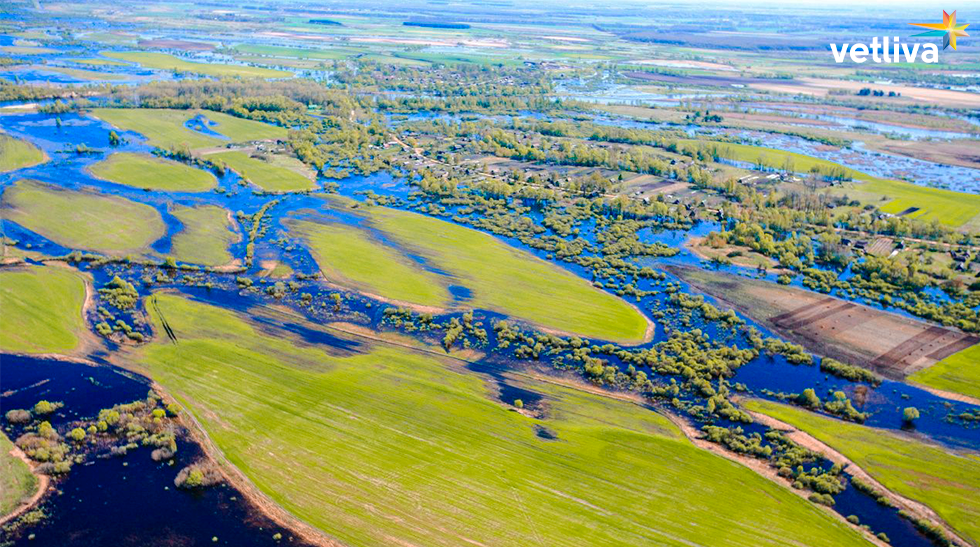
(122, 501)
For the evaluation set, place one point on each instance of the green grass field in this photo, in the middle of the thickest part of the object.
(163, 61)
(83, 220)
(951, 208)
(296, 52)
(207, 234)
(18, 154)
(99, 62)
(42, 309)
(959, 373)
(891, 196)
(164, 128)
(26, 50)
(265, 175)
(16, 480)
(349, 257)
(947, 482)
(500, 277)
(87, 75)
(153, 173)
(388, 446)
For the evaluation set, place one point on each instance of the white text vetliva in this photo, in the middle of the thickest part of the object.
(859, 52)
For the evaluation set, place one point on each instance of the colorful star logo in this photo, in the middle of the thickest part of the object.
(947, 29)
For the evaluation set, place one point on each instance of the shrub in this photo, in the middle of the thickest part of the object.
(910, 415)
(18, 416)
(45, 407)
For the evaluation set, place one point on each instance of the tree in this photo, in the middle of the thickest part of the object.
(77, 434)
(910, 415)
(45, 407)
(18, 416)
(809, 398)
(519, 404)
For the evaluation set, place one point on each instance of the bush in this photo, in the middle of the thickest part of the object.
(197, 476)
(822, 499)
(45, 407)
(910, 415)
(848, 372)
(18, 416)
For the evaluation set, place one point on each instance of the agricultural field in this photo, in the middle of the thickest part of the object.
(207, 233)
(17, 154)
(162, 61)
(151, 173)
(99, 62)
(168, 129)
(887, 343)
(497, 277)
(350, 257)
(958, 373)
(85, 75)
(82, 220)
(16, 478)
(42, 309)
(275, 407)
(945, 481)
(264, 174)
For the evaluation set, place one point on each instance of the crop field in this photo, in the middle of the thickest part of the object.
(266, 175)
(295, 52)
(386, 418)
(208, 232)
(152, 173)
(349, 257)
(26, 50)
(958, 373)
(163, 61)
(946, 481)
(822, 86)
(165, 128)
(18, 154)
(86, 75)
(162, 128)
(83, 220)
(42, 309)
(16, 480)
(950, 208)
(888, 343)
(99, 62)
(500, 278)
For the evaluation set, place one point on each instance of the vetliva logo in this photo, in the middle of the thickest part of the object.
(897, 53)
(902, 52)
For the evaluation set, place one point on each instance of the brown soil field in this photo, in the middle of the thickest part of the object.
(746, 257)
(820, 87)
(683, 63)
(716, 81)
(773, 118)
(965, 153)
(890, 344)
(891, 117)
(177, 44)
